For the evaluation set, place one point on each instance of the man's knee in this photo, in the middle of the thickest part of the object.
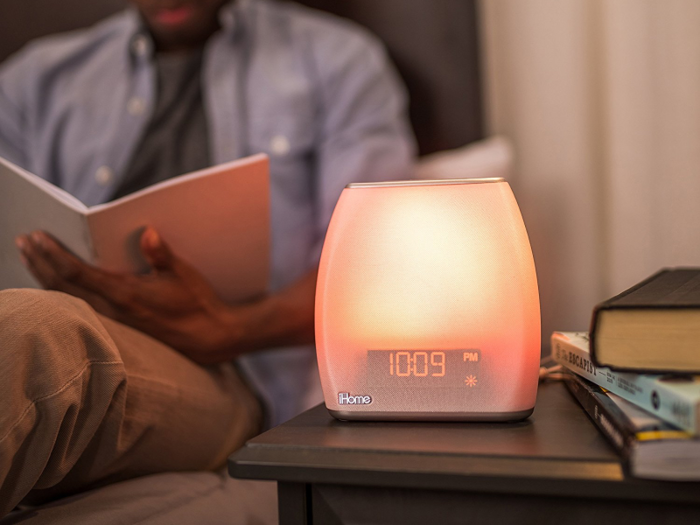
(48, 337)
(60, 376)
(28, 306)
(27, 312)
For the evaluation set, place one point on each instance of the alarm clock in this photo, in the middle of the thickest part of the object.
(427, 305)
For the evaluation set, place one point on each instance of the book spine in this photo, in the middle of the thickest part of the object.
(593, 331)
(89, 240)
(607, 417)
(644, 391)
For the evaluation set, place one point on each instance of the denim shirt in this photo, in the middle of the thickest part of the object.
(314, 92)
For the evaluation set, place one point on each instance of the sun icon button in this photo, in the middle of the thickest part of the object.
(470, 381)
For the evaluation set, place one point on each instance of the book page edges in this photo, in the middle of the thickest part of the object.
(649, 339)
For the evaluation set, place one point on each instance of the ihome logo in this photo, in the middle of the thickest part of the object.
(344, 398)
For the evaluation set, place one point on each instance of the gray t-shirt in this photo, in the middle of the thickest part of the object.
(175, 140)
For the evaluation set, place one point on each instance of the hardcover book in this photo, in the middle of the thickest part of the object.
(652, 327)
(675, 399)
(216, 219)
(652, 448)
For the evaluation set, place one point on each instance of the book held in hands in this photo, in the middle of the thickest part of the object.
(217, 219)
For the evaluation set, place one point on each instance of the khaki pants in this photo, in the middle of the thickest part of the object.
(86, 401)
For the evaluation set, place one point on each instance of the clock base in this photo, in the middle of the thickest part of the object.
(348, 415)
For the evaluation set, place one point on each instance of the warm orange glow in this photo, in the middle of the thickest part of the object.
(430, 267)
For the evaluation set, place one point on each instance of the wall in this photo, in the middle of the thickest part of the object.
(601, 99)
(23, 20)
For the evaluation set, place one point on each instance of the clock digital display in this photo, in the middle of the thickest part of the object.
(423, 368)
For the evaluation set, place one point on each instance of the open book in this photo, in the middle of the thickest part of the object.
(217, 219)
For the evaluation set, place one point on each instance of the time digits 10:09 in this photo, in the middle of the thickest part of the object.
(417, 364)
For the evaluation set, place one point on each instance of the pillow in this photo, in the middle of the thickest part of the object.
(492, 157)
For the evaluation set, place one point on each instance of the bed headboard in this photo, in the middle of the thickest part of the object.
(434, 44)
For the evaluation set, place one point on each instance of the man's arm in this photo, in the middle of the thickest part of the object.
(364, 134)
(14, 80)
(173, 302)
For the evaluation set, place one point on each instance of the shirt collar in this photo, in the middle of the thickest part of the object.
(140, 42)
(227, 16)
(235, 16)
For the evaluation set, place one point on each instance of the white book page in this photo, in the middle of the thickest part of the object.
(58, 193)
(28, 203)
(216, 219)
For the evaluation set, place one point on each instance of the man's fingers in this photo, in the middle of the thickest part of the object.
(48, 278)
(49, 255)
(46, 252)
(38, 265)
(164, 261)
(59, 269)
(155, 250)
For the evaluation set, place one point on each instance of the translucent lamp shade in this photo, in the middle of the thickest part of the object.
(427, 304)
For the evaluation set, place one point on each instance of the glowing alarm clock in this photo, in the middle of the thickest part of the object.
(427, 305)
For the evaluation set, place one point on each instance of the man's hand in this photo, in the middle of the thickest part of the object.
(172, 303)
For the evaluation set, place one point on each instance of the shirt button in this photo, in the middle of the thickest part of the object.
(140, 45)
(279, 145)
(104, 175)
(136, 106)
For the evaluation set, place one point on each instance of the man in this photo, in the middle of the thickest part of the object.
(145, 384)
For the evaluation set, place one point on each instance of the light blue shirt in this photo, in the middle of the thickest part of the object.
(314, 92)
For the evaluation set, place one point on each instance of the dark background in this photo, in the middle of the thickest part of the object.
(434, 44)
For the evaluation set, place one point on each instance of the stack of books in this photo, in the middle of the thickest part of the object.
(637, 374)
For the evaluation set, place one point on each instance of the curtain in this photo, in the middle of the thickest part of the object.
(601, 99)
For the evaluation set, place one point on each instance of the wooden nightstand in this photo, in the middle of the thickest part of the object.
(554, 467)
